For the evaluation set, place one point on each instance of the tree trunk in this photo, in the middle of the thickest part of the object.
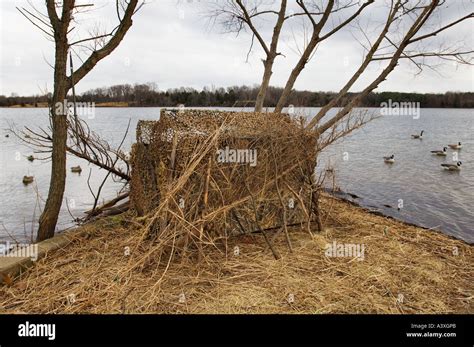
(271, 55)
(49, 217)
(262, 92)
(294, 75)
(317, 27)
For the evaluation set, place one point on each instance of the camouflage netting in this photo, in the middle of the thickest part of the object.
(205, 175)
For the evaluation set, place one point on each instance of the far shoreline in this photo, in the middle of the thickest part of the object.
(128, 105)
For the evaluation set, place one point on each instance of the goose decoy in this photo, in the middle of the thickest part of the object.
(456, 146)
(420, 136)
(7, 135)
(76, 169)
(443, 152)
(390, 159)
(452, 167)
(30, 158)
(27, 179)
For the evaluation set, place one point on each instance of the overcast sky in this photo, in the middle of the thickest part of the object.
(173, 44)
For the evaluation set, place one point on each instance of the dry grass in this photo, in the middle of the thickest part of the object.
(399, 259)
(112, 104)
(38, 104)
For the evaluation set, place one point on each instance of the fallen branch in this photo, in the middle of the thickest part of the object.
(98, 210)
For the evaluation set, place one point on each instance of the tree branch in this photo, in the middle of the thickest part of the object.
(98, 55)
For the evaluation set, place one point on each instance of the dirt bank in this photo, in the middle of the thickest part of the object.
(403, 269)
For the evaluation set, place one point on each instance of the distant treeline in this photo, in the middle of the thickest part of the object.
(149, 95)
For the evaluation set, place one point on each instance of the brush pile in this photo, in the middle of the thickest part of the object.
(199, 177)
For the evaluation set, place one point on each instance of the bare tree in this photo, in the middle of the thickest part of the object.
(404, 20)
(386, 47)
(58, 28)
(236, 14)
(405, 25)
(317, 23)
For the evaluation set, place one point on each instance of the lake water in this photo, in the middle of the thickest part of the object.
(428, 195)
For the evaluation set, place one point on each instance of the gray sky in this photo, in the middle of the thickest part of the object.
(172, 43)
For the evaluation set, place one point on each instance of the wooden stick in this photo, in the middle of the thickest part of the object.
(283, 205)
(205, 203)
(108, 204)
(267, 240)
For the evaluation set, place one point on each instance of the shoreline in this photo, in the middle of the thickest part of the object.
(400, 259)
(347, 196)
(125, 104)
(341, 195)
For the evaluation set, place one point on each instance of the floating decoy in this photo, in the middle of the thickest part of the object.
(27, 179)
(456, 146)
(77, 169)
(420, 136)
(443, 152)
(452, 167)
(30, 158)
(390, 159)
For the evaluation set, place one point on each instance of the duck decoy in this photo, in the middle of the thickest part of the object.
(443, 152)
(455, 146)
(76, 169)
(390, 159)
(416, 136)
(452, 167)
(27, 179)
(30, 158)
